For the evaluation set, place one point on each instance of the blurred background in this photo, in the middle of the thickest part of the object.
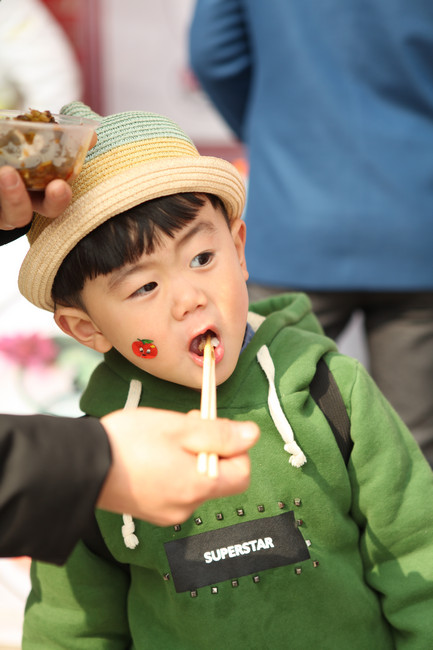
(115, 56)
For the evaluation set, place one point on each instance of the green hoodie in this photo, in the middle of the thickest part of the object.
(313, 555)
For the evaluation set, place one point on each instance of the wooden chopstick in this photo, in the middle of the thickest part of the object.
(208, 462)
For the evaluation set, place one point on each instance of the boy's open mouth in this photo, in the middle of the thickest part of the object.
(198, 342)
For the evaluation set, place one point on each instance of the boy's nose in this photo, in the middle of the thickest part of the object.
(186, 299)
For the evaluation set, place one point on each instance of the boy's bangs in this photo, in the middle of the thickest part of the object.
(123, 239)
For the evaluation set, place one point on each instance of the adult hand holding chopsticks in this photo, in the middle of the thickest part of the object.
(172, 484)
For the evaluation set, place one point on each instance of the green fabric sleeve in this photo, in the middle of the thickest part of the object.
(393, 506)
(80, 606)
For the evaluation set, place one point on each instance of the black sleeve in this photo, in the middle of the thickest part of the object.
(7, 236)
(51, 472)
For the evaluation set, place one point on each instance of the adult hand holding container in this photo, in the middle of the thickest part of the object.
(42, 146)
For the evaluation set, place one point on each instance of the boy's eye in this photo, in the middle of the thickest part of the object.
(146, 288)
(201, 259)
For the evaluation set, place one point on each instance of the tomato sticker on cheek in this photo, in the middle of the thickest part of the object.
(144, 348)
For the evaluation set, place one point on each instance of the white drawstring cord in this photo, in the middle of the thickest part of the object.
(128, 528)
(297, 458)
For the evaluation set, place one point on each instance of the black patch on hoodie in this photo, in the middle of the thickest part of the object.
(235, 551)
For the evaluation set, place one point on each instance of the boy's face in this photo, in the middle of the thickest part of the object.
(192, 283)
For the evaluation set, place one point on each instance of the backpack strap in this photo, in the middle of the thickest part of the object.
(326, 394)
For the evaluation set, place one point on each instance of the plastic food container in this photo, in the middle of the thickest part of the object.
(42, 151)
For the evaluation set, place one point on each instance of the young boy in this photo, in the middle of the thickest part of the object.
(148, 260)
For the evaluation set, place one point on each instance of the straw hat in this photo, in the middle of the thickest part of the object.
(139, 156)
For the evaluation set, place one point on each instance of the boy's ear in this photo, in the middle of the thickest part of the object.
(239, 234)
(76, 323)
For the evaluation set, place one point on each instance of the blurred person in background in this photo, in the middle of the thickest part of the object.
(38, 68)
(334, 102)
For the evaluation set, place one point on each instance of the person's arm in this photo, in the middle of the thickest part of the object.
(392, 503)
(7, 236)
(17, 205)
(53, 471)
(220, 57)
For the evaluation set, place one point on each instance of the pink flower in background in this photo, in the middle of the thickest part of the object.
(44, 374)
(29, 350)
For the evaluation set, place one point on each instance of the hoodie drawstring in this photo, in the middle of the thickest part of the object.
(297, 458)
(128, 529)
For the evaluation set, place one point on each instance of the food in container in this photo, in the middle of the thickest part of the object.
(43, 146)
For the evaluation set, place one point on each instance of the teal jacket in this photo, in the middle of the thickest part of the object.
(313, 555)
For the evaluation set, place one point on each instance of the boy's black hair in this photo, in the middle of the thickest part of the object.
(123, 239)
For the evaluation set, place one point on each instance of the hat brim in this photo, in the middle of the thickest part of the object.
(115, 195)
